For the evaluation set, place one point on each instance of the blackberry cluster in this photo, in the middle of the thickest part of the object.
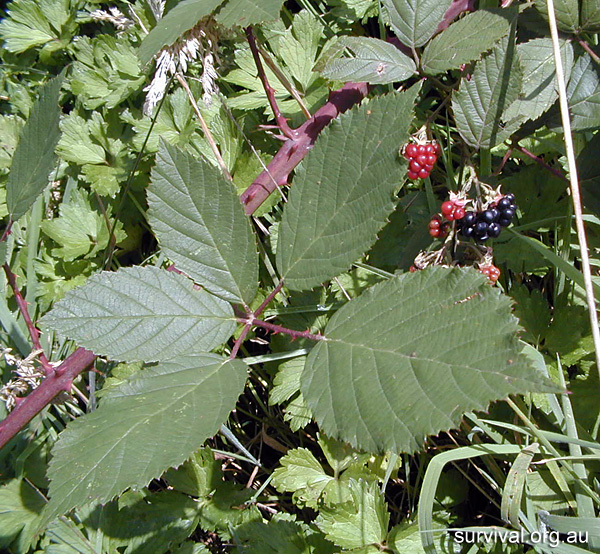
(422, 158)
(488, 223)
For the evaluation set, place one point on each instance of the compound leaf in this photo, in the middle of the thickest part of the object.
(34, 157)
(481, 101)
(173, 25)
(402, 361)
(343, 192)
(200, 224)
(373, 60)
(154, 421)
(464, 41)
(142, 313)
(415, 21)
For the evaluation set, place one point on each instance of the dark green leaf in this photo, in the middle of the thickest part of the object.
(584, 94)
(590, 15)
(174, 24)
(464, 41)
(142, 313)
(415, 21)
(34, 157)
(566, 11)
(343, 192)
(153, 422)
(248, 12)
(400, 362)
(20, 506)
(373, 60)
(482, 100)
(200, 225)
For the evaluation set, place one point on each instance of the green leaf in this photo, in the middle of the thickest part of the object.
(584, 94)
(142, 313)
(79, 230)
(481, 101)
(199, 476)
(286, 389)
(374, 61)
(200, 224)
(590, 15)
(20, 506)
(400, 363)
(464, 41)
(248, 12)
(34, 157)
(153, 422)
(415, 21)
(343, 191)
(538, 91)
(282, 535)
(173, 25)
(302, 474)
(362, 522)
(566, 11)
(76, 143)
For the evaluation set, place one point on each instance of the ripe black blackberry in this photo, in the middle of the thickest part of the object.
(488, 223)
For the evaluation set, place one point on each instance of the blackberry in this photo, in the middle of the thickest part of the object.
(481, 228)
(489, 216)
(504, 203)
(494, 230)
(503, 222)
(507, 214)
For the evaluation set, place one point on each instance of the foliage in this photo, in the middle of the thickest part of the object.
(318, 374)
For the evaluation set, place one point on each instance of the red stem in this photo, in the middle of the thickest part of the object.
(268, 299)
(33, 331)
(279, 329)
(539, 161)
(588, 49)
(292, 152)
(270, 91)
(61, 380)
(8, 229)
(240, 340)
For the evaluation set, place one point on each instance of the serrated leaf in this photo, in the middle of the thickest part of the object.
(361, 523)
(482, 100)
(200, 224)
(590, 15)
(343, 191)
(76, 143)
(302, 474)
(173, 25)
(400, 362)
(566, 11)
(248, 12)
(142, 313)
(153, 422)
(20, 507)
(34, 157)
(538, 90)
(415, 21)
(464, 41)
(373, 60)
(583, 92)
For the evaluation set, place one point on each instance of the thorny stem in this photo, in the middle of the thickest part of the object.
(279, 329)
(7, 230)
(61, 380)
(269, 90)
(588, 49)
(205, 129)
(294, 150)
(575, 192)
(240, 340)
(33, 332)
(268, 299)
(538, 160)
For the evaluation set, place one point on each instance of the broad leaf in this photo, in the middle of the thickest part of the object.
(248, 12)
(361, 523)
(343, 192)
(173, 25)
(415, 21)
(154, 421)
(200, 224)
(590, 15)
(538, 91)
(481, 101)
(373, 60)
(142, 313)
(464, 41)
(566, 11)
(20, 506)
(411, 355)
(34, 157)
(584, 94)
